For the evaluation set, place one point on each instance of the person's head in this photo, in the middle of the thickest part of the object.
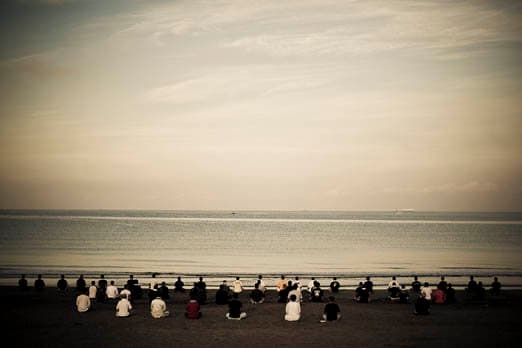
(313, 278)
(360, 283)
(450, 285)
(367, 278)
(179, 278)
(479, 284)
(256, 285)
(296, 278)
(192, 297)
(260, 277)
(294, 287)
(237, 278)
(102, 276)
(235, 295)
(331, 299)
(316, 284)
(62, 276)
(225, 281)
(334, 278)
(403, 286)
(470, 277)
(112, 282)
(23, 276)
(442, 278)
(131, 276)
(290, 284)
(415, 278)
(39, 276)
(496, 279)
(163, 284)
(200, 279)
(93, 282)
(154, 275)
(393, 278)
(81, 276)
(293, 298)
(282, 276)
(426, 284)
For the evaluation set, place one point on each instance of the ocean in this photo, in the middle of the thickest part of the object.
(224, 244)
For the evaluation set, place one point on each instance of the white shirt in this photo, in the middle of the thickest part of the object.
(293, 311)
(238, 286)
(83, 303)
(158, 308)
(92, 291)
(426, 293)
(297, 293)
(262, 285)
(394, 284)
(311, 285)
(112, 291)
(123, 308)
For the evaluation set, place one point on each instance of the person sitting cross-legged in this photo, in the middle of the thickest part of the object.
(158, 308)
(123, 307)
(293, 309)
(192, 310)
(332, 311)
(234, 308)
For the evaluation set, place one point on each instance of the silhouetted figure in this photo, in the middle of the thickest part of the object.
(416, 285)
(163, 291)
(480, 293)
(39, 284)
(331, 311)
(368, 284)
(257, 296)
(361, 294)
(422, 306)
(404, 295)
(62, 284)
(22, 283)
(81, 285)
(102, 289)
(317, 293)
(202, 293)
(134, 287)
(223, 294)
(335, 285)
(450, 294)
(443, 285)
(193, 309)
(179, 285)
(495, 287)
(234, 309)
(472, 286)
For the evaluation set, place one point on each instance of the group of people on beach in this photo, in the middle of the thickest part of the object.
(290, 292)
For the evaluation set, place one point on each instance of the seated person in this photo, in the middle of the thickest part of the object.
(416, 285)
(283, 294)
(223, 294)
(443, 285)
(317, 293)
(293, 309)
(282, 283)
(368, 284)
(422, 306)
(332, 311)
(192, 310)
(257, 296)
(178, 285)
(480, 293)
(201, 292)
(62, 284)
(361, 294)
(112, 291)
(22, 283)
(438, 296)
(404, 296)
(472, 285)
(158, 308)
(426, 291)
(234, 309)
(123, 307)
(127, 293)
(450, 294)
(335, 285)
(394, 289)
(163, 291)
(83, 303)
(39, 284)
(495, 287)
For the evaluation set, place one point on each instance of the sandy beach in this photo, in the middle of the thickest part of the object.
(50, 319)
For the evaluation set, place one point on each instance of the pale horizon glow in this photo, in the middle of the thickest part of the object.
(261, 105)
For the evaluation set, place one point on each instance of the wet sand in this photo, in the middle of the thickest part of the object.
(50, 319)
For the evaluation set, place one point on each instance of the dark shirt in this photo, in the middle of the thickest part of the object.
(257, 295)
(362, 294)
(80, 284)
(62, 284)
(368, 285)
(178, 286)
(317, 295)
(331, 310)
(443, 285)
(222, 296)
(22, 284)
(234, 308)
(422, 306)
(39, 284)
(495, 287)
(163, 291)
(416, 286)
(450, 295)
(201, 285)
(335, 285)
(472, 286)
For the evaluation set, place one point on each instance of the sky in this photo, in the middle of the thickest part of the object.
(277, 105)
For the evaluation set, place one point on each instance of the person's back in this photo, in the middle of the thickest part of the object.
(62, 284)
(404, 296)
(222, 296)
(234, 308)
(112, 291)
(123, 307)
(39, 284)
(192, 311)
(281, 284)
(93, 291)
(293, 309)
(368, 284)
(317, 294)
(22, 283)
(450, 294)
(158, 308)
(80, 284)
(495, 287)
(443, 285)
(178, 285)
(283, 294)
(257, 296)
(332, 311)
(335, 285)
(472, 285)
(422, 306)
(361, 294)
(163, 291)
(394, 288)
(83, 303)
(426, 291)
(416, 285)
(237, 286)
(438, 296)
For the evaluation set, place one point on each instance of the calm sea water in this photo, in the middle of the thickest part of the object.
(218, 244)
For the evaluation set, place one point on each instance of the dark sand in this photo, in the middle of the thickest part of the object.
(50, 320)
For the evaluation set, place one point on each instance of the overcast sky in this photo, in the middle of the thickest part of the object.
(351, 105)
